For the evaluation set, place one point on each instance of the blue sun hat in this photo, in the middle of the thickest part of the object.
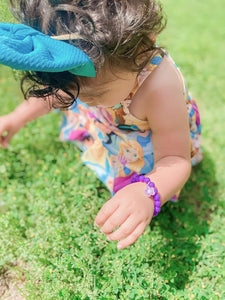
(26, 49)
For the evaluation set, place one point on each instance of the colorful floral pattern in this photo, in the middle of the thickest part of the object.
(117, 145)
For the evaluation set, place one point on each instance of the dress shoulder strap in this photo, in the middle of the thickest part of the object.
(151, 66)
(155, 61)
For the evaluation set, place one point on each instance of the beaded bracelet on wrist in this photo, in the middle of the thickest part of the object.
(150, 191)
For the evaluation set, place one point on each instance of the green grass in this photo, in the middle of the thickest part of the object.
(49, 247)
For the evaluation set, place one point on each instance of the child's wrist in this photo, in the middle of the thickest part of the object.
(151, 191)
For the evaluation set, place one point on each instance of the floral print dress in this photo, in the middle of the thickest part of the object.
(114, 143)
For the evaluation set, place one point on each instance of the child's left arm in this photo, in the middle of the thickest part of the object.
(130, 209)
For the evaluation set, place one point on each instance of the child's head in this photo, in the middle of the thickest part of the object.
(113, 33)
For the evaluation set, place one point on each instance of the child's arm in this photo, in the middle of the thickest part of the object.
(27, 111)
(162, 98)
(168, 119)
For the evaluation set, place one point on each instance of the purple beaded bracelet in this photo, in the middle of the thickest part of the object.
(150, 191)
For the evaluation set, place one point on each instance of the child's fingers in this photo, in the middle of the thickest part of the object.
(6, 139)
(124, 230)
(132, 237)
(3, 134)
(4, 144)
(106, 211)
(3, 139)
(116, 219)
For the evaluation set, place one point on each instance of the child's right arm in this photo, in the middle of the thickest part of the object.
(27, 111)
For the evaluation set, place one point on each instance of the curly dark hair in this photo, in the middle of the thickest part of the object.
(112, 31)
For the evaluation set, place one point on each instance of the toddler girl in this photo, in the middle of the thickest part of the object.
(135, 121)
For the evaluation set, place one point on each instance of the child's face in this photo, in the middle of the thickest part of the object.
(108, 88)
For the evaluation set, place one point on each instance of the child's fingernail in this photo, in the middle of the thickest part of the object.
(96, 225)
(108, 238)
(119, 246)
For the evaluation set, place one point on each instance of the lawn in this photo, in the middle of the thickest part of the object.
(48, 200)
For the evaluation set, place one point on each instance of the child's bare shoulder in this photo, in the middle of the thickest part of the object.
(163, 83)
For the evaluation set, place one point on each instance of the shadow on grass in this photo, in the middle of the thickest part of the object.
(186, 223)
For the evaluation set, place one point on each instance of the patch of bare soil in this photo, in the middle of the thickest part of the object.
(11, 284)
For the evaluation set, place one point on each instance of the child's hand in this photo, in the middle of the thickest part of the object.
(9, 126)
(130, 210)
